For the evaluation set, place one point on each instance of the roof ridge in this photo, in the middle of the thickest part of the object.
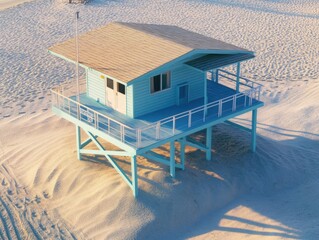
(124, 24)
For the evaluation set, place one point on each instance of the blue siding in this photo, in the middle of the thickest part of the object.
(95, 86)
(129, 101)
(145, 102)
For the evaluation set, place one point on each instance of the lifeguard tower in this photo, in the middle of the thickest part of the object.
(148, 85)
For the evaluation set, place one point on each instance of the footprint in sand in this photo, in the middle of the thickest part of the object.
(27, 200)
(37, 199)
(4, 182)
(34, 214)
(45, 195)
(9, 191)
(42, 227)
(18, 205)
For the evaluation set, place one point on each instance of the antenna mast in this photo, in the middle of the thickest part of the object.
(77, 56)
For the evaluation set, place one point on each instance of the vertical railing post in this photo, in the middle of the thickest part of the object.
(189, 119)
(122, 133)
(139, 137)
(217, 75)
(174, 118)
(234, 102)
(245, 101)
(158, 126)
(237, 77)
(220, 108)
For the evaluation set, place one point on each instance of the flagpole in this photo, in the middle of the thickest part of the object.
(77, 56)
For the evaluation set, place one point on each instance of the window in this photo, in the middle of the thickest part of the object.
(109, 83)
(160, 82)
(121, 88)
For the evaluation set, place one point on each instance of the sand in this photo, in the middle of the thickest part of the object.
(10, 3)
(239, 195)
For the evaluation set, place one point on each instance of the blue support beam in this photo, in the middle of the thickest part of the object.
(131, 182)
(134, 175)
(209, 143)
(172, 158)
(217, 75)
(78, 141)
(205, 95)
(182, 151)
(253, 130)
(85, 143)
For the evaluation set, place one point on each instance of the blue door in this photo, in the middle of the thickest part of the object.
(183, 95)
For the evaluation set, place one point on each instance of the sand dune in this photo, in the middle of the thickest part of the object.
(46, 191)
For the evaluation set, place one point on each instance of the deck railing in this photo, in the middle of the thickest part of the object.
(243, 82)
(166, 127)
(92, 117)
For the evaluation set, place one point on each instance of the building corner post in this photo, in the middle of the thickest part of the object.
(253, 130)
(209, 143)
(78, 141)
(134, 175)
(172, 158)
(205, 95)
(237, 77)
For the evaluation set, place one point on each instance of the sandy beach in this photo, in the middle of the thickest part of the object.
(10, 3)
(47, 193)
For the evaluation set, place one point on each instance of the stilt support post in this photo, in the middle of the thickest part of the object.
(78, 141)
(172, 158)
(253, 130)
(209, 143)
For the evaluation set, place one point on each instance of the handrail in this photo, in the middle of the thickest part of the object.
(95, 118)
(157, 129)
(92, 110)
(234, 75)
(200, 108)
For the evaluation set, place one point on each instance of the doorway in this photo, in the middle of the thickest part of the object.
(116, 95)
(182, 94)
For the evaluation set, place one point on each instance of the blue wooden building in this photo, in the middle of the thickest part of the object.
(147, 85)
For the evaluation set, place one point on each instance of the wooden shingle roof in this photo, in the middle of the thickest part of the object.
(126, 51)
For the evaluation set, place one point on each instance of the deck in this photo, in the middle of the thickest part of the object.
(223, 103)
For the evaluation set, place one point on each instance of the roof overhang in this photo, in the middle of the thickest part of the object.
(214, 61)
